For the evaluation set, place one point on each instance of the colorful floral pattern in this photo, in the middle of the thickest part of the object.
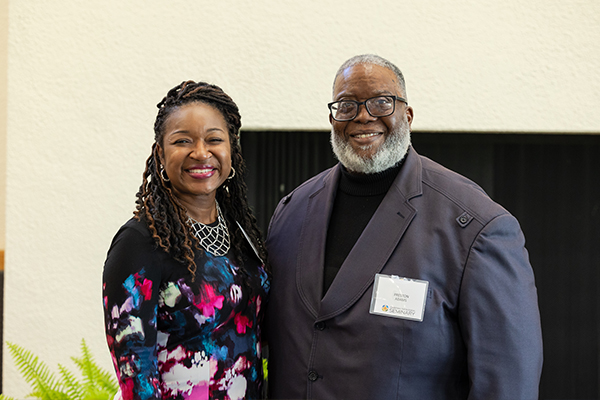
(174, 338)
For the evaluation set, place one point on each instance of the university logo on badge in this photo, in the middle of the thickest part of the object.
(385, 308)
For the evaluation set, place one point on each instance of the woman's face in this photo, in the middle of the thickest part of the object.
(195, 152)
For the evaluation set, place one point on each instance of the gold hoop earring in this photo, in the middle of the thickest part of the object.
(225, 185)
(163, 174)
(232, 173)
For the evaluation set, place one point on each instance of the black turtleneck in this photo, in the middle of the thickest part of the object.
(357, 198)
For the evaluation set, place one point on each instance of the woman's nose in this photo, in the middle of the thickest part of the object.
(200, 151)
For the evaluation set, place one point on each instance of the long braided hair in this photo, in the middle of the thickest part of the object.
(164, 214)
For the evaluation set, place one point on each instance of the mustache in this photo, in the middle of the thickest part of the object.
(388, 154)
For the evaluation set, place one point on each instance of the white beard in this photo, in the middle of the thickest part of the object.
(391, 151)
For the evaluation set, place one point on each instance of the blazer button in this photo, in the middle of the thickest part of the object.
(313, 376)
(320, 325)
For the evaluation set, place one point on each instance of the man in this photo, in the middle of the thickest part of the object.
(393, 277)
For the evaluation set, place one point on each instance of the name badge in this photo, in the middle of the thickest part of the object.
(398, 297)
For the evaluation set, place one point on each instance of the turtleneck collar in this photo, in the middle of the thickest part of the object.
(368, 184)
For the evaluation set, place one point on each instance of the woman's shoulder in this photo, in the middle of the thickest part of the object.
(135, 230)
(132, 241)
(136, 225)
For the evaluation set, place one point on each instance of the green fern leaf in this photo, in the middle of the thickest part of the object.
(36, 373)
(72, 387)
(97, 383)
(86, 364)
(50, 395)
(100, 395)
(105, 380)
(95, 379)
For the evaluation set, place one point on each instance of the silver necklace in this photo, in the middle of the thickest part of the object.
(214, 239)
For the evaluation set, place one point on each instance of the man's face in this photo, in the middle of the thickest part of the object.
(366, 136)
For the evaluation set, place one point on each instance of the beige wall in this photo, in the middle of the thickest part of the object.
(84, 79)
(3, 77)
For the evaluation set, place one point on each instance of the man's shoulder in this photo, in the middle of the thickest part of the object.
(458, 189)
(310, 185)
(437, 174)
(293, 204)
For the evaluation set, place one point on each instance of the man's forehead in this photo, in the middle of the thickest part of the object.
(364, 67)
(375, 75)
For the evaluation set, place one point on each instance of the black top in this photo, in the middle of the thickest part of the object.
(356, 200)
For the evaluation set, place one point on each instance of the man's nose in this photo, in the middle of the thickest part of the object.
(363, 115)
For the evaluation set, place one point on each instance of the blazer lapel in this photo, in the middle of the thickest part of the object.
(377, 242)
(311, 255)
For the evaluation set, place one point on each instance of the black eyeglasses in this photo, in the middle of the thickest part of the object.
(380, 106)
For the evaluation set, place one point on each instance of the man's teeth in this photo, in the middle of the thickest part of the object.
(365, 135)
(200, 171)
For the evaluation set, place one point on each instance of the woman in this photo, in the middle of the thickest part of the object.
(184, 282)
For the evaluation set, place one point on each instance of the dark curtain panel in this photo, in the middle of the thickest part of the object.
(551, 183)
(277, 162)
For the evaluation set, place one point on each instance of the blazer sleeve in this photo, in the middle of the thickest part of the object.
(130, 297)
(499, 315)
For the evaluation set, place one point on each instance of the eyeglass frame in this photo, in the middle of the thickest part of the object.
(359, 103)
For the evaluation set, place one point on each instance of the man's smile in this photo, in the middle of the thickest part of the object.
(365, 135)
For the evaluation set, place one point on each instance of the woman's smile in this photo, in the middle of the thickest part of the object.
(196, 153)
(201, 172)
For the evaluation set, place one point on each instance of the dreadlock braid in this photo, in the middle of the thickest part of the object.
(160, 208)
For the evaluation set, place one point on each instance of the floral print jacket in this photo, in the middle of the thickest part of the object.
(174, 338)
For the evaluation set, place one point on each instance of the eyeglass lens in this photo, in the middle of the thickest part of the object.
(376, 106)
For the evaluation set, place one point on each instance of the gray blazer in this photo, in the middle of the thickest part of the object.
(480, 337)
